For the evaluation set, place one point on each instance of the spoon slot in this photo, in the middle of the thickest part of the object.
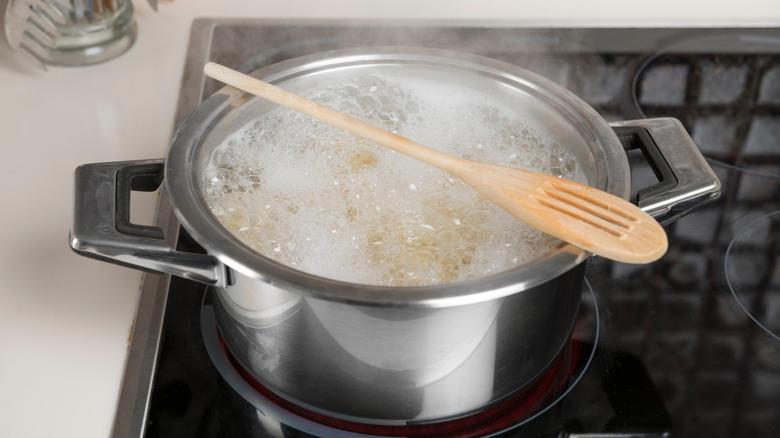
(575, 211)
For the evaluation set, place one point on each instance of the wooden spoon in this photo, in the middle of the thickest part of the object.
(591, 219)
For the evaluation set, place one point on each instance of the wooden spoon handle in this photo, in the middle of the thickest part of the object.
(332, 117)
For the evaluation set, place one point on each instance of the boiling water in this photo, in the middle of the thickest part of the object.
(323, 201)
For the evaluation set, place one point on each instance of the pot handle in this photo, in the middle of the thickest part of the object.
(102, 229)
(686, 181)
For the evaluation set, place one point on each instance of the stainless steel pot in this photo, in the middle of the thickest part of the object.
(384, 354)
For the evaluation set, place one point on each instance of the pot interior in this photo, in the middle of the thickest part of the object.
(444, 79)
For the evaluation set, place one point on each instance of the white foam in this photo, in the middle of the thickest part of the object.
(326, 202)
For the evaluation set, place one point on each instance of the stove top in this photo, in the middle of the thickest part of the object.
(687, 346)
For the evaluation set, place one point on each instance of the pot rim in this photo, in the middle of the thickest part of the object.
(195, 216)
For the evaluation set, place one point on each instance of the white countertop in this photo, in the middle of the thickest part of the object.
(65, 320)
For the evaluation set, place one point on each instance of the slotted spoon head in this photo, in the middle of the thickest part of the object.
(596, 221)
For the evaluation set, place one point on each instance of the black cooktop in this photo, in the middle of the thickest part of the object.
(687, 346)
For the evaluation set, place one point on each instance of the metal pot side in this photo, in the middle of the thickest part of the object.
(392, 365)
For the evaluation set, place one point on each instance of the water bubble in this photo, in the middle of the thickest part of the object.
(368, 104)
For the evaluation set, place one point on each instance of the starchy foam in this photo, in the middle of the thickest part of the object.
(326, 202)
